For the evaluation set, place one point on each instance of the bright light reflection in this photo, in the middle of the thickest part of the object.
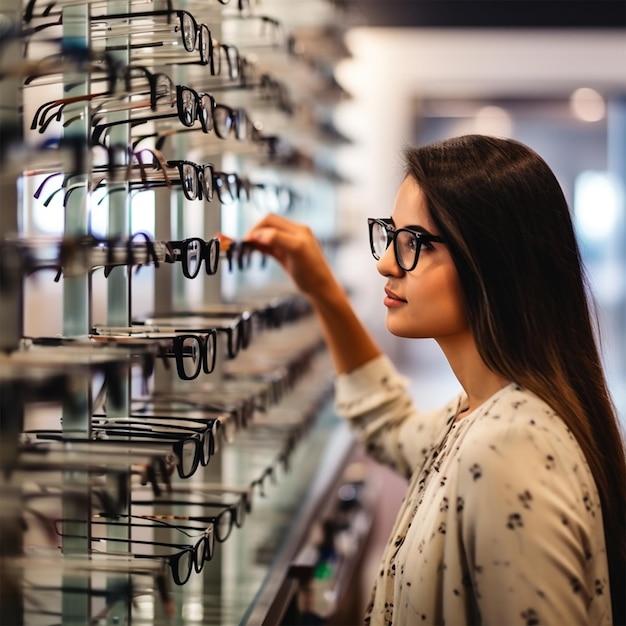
(193, 611)
(598, 205)
(493, 120)
(587, 105)
(143, 607)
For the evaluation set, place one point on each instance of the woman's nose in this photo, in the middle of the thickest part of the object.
(387, 264)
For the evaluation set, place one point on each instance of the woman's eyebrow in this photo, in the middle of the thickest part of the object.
(418, 228)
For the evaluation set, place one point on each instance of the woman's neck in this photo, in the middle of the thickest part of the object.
(478, 381)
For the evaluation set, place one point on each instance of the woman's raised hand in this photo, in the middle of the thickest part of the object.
(296, 248)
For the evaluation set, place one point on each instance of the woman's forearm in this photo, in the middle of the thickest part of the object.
(349, 342)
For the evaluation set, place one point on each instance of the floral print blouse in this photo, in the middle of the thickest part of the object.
(501, 523)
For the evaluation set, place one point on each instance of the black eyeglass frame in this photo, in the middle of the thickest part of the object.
(421, 239)
(233, 513)
(204, 444)
(208, 341)
(204, 178)
(199, 553)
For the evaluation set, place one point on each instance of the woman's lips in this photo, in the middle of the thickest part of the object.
(392, 300)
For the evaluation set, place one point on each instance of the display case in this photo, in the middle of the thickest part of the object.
(169, 447)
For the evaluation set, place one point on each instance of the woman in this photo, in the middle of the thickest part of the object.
(515, 509)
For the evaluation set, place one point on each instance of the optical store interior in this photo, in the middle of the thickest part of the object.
(169, 449)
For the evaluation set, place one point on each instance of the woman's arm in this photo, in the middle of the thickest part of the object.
(370, 393)
(295, 247)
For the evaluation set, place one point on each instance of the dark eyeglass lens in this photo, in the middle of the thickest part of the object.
(244, 260)
(380, 239)
(189, 32)
(183, 567)
(192, 356)
(232, 55)
(225, 189)
(205, 38)
(207, 177)
(223, 525)
(163, 88)
(223, 121)
(189, 181)
(211, 353)
(193, 257)
(188, 463)
(199, 554)
(216, 61)
(206, 449)
(233, 338)
(242, 125)
(206, 114)
(407, 248)
(187, 107)
(209, 543)
(246, 327)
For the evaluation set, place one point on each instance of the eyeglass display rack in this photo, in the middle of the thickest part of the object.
(98, 426)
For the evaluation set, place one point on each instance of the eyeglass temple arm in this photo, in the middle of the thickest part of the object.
(191, 518)
(46, 107)
(97, 113)
(69, 189)
(77, 64)
(101, 129)
(162, 136)
(180, 546)
(145, 185)
(48, 178)
(159, 158)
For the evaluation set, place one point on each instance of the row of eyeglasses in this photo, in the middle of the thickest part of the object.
(147, 169)
(167, 433)
(171, 422)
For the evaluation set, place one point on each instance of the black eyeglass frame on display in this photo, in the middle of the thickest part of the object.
(198, 446)
(196, 179)
(204, 104)
(229, 516)
(198, 554)
(180, 345)
(192, 251)
(194, 36)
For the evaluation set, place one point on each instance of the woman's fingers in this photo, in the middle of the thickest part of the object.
(295, 247)
(282, 238)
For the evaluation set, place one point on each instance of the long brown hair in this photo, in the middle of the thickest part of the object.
(509, 231)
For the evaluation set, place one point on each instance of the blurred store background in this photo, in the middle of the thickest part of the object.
(550, 74)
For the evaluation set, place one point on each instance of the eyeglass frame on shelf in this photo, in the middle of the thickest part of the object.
(235, 513)
(206, 540)
(184, 17)
(204, 440)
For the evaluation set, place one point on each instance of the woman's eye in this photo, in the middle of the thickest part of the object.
(409, 242)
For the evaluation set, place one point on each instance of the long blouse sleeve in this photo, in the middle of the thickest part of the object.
(375, 401)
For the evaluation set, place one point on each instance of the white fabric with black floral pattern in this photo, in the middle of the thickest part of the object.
(501, 523)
